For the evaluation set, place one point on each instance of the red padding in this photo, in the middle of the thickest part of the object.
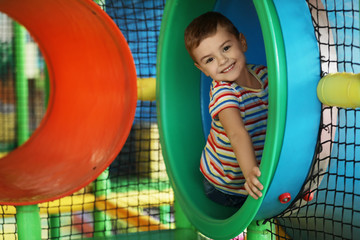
(92, 100)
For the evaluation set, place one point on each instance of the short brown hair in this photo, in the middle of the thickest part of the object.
(204, 26)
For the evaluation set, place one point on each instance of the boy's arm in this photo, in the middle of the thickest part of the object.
(241, 143)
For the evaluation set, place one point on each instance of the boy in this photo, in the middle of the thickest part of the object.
(238, 108)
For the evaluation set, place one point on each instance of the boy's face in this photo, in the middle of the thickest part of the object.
(221, 56)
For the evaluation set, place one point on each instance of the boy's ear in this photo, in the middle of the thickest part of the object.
(201, 69)
(243, 42)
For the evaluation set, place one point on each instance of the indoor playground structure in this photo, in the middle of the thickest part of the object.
(104, 117)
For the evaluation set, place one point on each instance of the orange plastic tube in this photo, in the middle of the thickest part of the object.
(92, 100)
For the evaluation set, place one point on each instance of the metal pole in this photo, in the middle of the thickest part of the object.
(47, 86)
(27, 217)
(22, 91)
(28, 222)
(102, 222)
(258, 231)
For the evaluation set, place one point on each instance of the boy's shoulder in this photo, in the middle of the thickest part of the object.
(222, 86)
(257, 68)
(260, 71)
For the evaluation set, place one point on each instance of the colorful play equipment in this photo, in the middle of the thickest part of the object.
(119, 206)
(92, 88)
(340, 89)
(291, 53)
(146, 90)
(182, 97)
(293, 74)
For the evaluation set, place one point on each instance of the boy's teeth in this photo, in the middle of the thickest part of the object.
(227, 69)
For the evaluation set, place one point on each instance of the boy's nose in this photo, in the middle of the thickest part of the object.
(223, 59)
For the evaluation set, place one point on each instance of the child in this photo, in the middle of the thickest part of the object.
(238, 108)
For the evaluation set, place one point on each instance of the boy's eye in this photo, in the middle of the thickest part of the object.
(209, 60)
(226, 48)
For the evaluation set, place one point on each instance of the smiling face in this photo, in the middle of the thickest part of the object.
(221, 56)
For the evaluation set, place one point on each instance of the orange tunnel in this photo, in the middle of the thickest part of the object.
(92, 100)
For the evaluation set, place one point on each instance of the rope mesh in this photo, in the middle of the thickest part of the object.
(134, 194)
(334, 211)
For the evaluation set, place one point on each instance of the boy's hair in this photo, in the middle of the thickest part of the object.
(204, 26)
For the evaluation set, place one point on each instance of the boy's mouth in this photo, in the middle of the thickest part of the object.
(229, 68)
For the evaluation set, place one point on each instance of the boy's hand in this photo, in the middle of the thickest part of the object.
(253, 185)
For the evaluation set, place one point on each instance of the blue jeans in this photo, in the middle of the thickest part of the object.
(222, 198)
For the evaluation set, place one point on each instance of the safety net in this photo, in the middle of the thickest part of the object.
(328, 206)
(134, 193)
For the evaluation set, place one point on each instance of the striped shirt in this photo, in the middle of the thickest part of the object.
(218, 162)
